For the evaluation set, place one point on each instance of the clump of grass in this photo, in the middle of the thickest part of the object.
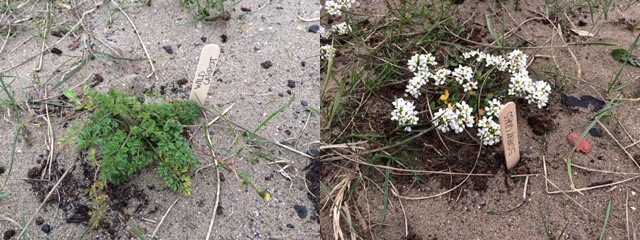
(206, 9)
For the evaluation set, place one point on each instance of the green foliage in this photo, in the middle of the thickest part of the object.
(206, 9)
(130, 136)
(624, 56)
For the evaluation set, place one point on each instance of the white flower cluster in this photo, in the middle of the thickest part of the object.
(464, 76)
(324, 33)
(419, 65)
(327, 52)
(494, 108)
(454, 119)
(520, 84)
(404, 112)
(341, 28)
(488, 131)
(335, 7)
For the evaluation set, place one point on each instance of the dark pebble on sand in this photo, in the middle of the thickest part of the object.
(168, 49)
(291, 83)
(46, 228)
(39, 221)
(203, 39)
(314, 28)
(245, 9)
(182, 81)
(301, 210)
(8, 234)
(223, 38)
(596, 132)
(1, 170)
(289, 225)
(56, 51)
(266, 64)
(313, 152)
(304, 103)
(582, 23)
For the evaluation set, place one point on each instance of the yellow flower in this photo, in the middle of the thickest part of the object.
(445, 96)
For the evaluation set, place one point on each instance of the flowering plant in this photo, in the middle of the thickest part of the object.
(483, 72)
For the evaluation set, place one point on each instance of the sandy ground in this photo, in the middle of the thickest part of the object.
(270, 32)
(493, 207)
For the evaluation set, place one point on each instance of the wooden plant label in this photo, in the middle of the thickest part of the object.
(204, 73)
(509, 133)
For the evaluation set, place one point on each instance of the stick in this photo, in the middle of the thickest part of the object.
(24, 229)
(153, 69)
(163, 217)
(215, 161)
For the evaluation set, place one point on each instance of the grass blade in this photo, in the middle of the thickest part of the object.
(279, 110)
(492, 31)
(606, 220)
(385, 198)
(72, 72)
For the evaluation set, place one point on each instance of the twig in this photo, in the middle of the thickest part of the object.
(24, 229)
(308, 19)
(626, 211)
(163, 217)
(153, 69)
(215, 161)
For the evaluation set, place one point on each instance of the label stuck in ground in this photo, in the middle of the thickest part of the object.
(204, 73)
(509, 133)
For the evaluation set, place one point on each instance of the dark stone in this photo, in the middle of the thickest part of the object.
(303, 64)
(281, 94)
(8, 234)
(1, 170)
(57, 34)
(582, 23)
(179, 45)
(289, 225)
(168, 49)
(596, 132)
(291, 83)
(241, 16)
(46, 228)
(457, 1)
(245, 9)
(301, 210)
(200, 203)
(304, 103)
(288, 132)
(266, 64)
(315, 28)
(203, 39)
(97, 79)
(573, 102)
(39, 221)
(223, 38)
(596, 103)
(313, 152)
(182, 81)
(56, 51)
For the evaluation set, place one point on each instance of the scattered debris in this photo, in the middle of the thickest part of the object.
(583, 147)
(168, 49)
(39, 220)
(585, 101)
(97, 79)
(304, 103)
(596, 132)
(314, 28)
(266, 64)
(55, 51)
(301, 210)
(291, 84)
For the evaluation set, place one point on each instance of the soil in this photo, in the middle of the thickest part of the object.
(270, 32)
(493, 207)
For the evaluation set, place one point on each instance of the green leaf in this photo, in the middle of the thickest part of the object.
(492, 31)
(624, 56)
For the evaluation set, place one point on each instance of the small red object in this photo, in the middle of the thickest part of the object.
(583, 147)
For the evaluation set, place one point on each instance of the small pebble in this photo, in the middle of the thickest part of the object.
(304, 103)
(266, 64)
(582, 23)
(313, 152)
(46, 228)
(203, 39)
(168, 49)
(241, 16)
(56, 51)
(301, 210)
(596, 132)
(182, 81)
(281, 94)
(289, 225)
(245, 9)
(39, 221)
(314, 28)
(291, 83)
(1, 170)
(223, 38)
(8, 234)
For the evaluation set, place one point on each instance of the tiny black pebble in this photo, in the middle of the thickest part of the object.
(279, 8)
(291, 83)
(281, 94)
(458, 1)
(39, 221)
(245, 9)
(46, 228)
(179, 45)
(56, 51)
(168, 49)
(203, 39)
(8, 234)
(266, 64)
(582, 23)
(255, 49)
(596, 132)
(289, 225)
(241, 16)
(223, 38)
(1, 170)
(288, 91)
(200, 203)
(313, 152)
(288, 132)
(314, 28)
(304, 103)
(301, 210)
(303, 64)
